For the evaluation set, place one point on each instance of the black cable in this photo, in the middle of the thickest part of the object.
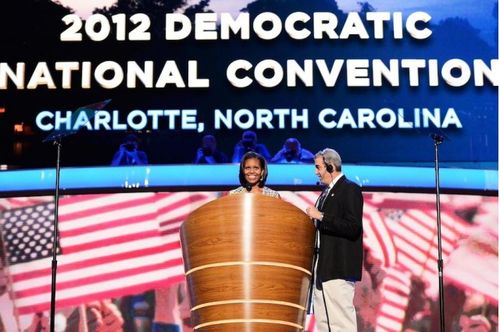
(326, 309)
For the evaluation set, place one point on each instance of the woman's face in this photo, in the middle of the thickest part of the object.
(252, 171)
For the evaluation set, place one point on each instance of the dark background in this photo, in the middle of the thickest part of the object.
(29, 32)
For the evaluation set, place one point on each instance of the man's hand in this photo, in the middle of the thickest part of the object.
(314, 213)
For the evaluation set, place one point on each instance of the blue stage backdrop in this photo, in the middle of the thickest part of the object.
(373, 79)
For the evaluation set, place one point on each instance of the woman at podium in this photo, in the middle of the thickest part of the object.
(253, 176)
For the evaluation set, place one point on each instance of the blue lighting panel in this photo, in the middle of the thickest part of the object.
(195, 176)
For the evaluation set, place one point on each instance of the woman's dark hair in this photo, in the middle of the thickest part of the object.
(263, 165)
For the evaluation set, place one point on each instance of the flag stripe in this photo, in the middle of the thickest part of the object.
(98, 288)
(95, 279)
(70, 212)
(110, 293)
(111, 245)
(96, 228)
(381, 244)
(106, 241)
(119, 244)
(93, 262)
(89, 271)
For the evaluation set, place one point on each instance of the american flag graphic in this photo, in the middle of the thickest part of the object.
(28, 233)
(474, 264)
(377, 236)
(17, 202)
(395, 290)
(400, 231)
(414, 234)
(110, 245)
(118, 244)
(408, 247)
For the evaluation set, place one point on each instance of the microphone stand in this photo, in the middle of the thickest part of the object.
(55, 241)
(438, 139)
(56, 138)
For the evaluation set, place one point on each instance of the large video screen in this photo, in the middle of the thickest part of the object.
(120, 261)
(375, 80)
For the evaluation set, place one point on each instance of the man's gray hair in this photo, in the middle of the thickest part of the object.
(330, 157)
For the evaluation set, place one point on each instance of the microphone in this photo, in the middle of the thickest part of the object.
(248, 187)
(438, 139)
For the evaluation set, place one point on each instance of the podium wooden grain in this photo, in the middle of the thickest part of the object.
(248, 261)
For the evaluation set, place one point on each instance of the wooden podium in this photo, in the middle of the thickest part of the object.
(248, 261)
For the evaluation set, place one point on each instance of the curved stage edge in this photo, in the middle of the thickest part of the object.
(225, 176)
